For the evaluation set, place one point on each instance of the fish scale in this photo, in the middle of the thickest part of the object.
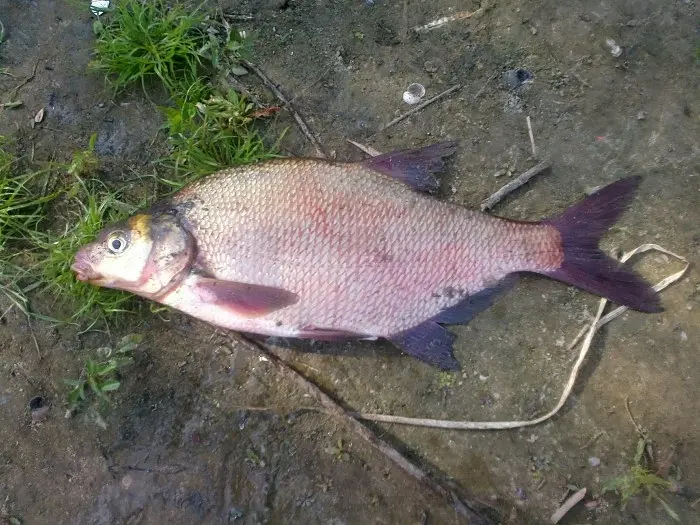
(314, 249)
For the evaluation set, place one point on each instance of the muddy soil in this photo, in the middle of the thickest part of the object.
(186, 441)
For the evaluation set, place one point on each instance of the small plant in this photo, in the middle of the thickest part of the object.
(23, 200)
(339, 451)
(446, 380)
(85, 163)
(100, 377)
(147, 40)
(640, 480)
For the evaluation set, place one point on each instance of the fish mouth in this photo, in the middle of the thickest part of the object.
(84, 271)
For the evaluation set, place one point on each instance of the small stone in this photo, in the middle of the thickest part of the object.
(533, 30)
(500, 173)
(430, 67)
(641, 115)
(615, 50)
(683, 336)
(514, 78)
(594, 461)
(39, 408)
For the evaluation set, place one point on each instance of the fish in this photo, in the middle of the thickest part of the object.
(308, 248)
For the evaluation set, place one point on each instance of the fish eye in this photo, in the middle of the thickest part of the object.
(116, 243)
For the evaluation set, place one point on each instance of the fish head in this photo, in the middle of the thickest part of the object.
(146, 255)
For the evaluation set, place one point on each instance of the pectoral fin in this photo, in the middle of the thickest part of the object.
(249, 300)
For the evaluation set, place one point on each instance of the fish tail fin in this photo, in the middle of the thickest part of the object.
(585, 265)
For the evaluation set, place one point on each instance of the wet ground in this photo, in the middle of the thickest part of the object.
(186, 443)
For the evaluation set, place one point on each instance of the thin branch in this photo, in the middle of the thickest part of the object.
(568, 505)
(367, 149)
(513, 185)
(421, 106)
(532, 136)
(282, 98)
(13, 93)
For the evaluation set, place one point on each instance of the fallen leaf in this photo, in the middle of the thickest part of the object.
(39, 116)
(265, 112)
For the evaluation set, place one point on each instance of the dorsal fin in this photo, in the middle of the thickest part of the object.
(414, 167)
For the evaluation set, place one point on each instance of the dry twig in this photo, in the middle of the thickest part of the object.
(26, 81)
(287, 104)
(532, 136)
(367, 149)
(421, 106)
(513, 185)
(568, 505)
(462, 15)
(488, 81)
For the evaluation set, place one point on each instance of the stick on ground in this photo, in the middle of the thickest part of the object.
(468, 507)
(532, 136)
(513, 185)
(14, 92)
(421, 106)
(367, 149)
(287, 104)
(568, 505)
(462, 15)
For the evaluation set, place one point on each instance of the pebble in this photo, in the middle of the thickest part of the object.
(514, 78)
(594, 461)
(615, 50)
(430, 67)
(641, 115)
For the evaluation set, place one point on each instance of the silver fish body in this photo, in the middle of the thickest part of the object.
(322, 250)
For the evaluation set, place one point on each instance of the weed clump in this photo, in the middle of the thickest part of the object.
(148, 39)
(641, 480)
(90, 393)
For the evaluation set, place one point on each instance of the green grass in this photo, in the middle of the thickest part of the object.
(640, 480)
(208, 132)
(23, 201)
(36, 252)
(147, 40)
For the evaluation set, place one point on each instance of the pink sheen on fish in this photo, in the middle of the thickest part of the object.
(307, 248)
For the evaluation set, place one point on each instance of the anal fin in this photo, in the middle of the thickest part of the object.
(428, 342)
(432, 343)
(470, 307)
